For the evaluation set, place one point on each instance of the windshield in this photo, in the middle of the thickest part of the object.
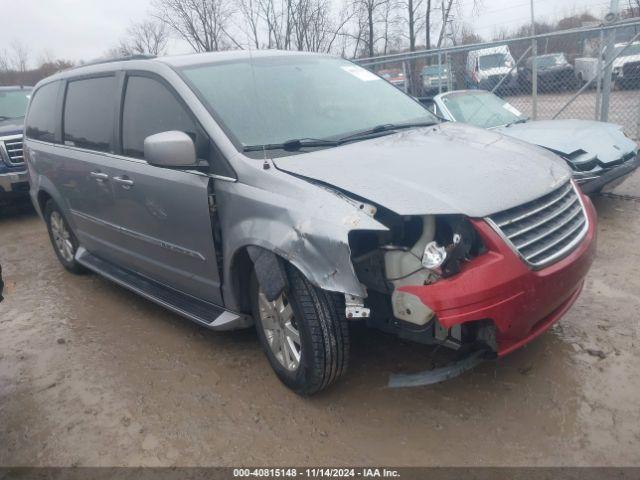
(13, 103)
(389, 74)
(495, 60)
(634, 49)
(299, 97)
(434, 70)
(482, 109)
(547, 61)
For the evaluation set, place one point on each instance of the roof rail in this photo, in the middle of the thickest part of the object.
(117, 59)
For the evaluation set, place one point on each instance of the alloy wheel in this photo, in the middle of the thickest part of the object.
(281, 331)
(61, 237)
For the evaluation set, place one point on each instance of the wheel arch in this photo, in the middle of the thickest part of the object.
(242, 266)
(42, 198)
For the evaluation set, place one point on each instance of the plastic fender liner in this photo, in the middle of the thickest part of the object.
(269, 270)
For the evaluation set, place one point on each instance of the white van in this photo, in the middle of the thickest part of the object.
(486, 67)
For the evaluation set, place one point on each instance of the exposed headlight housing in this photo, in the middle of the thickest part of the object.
(434, 256)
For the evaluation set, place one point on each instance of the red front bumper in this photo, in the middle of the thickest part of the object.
(499, 286)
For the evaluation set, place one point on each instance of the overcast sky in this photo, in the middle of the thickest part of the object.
(85, 29)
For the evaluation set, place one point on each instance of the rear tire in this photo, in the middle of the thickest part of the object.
(319, 319)
(64, 242)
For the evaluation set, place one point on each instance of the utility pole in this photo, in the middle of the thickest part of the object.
(534, 66)
(611, 17)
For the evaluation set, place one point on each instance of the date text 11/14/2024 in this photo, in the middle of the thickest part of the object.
(316, 473)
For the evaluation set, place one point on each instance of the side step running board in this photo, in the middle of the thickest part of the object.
(211, 316)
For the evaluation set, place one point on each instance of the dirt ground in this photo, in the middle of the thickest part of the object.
(91, 374)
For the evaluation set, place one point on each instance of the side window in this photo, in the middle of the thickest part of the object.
(89, 113)
(150, 108)
(41, 119)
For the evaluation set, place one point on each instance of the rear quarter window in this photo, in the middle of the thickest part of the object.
(89, 113)
(41, 119)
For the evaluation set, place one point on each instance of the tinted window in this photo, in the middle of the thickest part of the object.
(89, 113)
(41, 123)
(150, 108)
(494, 60)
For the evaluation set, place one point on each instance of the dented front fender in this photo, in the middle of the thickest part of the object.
(303, 223)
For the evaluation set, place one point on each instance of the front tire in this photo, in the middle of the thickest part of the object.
(64, 242)
(304, 333)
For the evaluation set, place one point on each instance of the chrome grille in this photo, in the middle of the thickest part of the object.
(13, 148)
(546, 229)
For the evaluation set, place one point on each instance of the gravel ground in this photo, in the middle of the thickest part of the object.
(91, 374)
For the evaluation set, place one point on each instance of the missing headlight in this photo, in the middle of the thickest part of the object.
(416, 251)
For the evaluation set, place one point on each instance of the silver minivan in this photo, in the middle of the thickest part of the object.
(301, 192)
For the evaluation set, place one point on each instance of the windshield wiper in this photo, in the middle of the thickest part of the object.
(384, 128)
(521, 120)
(293, 145)
(298, 143)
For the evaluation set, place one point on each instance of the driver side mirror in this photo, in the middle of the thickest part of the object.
(170, 149)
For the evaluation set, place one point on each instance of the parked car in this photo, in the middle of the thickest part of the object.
(626, 67)
(13, 172)
(600, 154)
(554, 73)
(487, 67)
(586, 70)
(395, 77)
(305, 194)
(436, 78)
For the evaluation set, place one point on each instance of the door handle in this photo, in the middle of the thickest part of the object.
(125, 182)
(99, 176)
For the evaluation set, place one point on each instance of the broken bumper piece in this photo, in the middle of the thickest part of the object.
(498, 286)
(437, 375)
(609, 178)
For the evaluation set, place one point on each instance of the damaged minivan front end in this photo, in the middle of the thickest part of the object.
(463, 261)
(351, 202)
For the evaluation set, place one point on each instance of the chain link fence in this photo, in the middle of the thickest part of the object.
(591, 73)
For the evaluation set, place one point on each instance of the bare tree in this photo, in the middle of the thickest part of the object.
(203, 24)
(149, 37)
(315, 29)
(251, 20)
(445, 9)
(20, 57)
(369, 15)
(427, 27)
(312, 25)
(4, 61)
(390, 22)
(278, 19)
(414, 20)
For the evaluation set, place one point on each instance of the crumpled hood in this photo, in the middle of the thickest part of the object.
(603, 140)
(12, 126)
(445, 169)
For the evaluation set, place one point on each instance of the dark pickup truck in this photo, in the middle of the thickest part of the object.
(14, 181)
